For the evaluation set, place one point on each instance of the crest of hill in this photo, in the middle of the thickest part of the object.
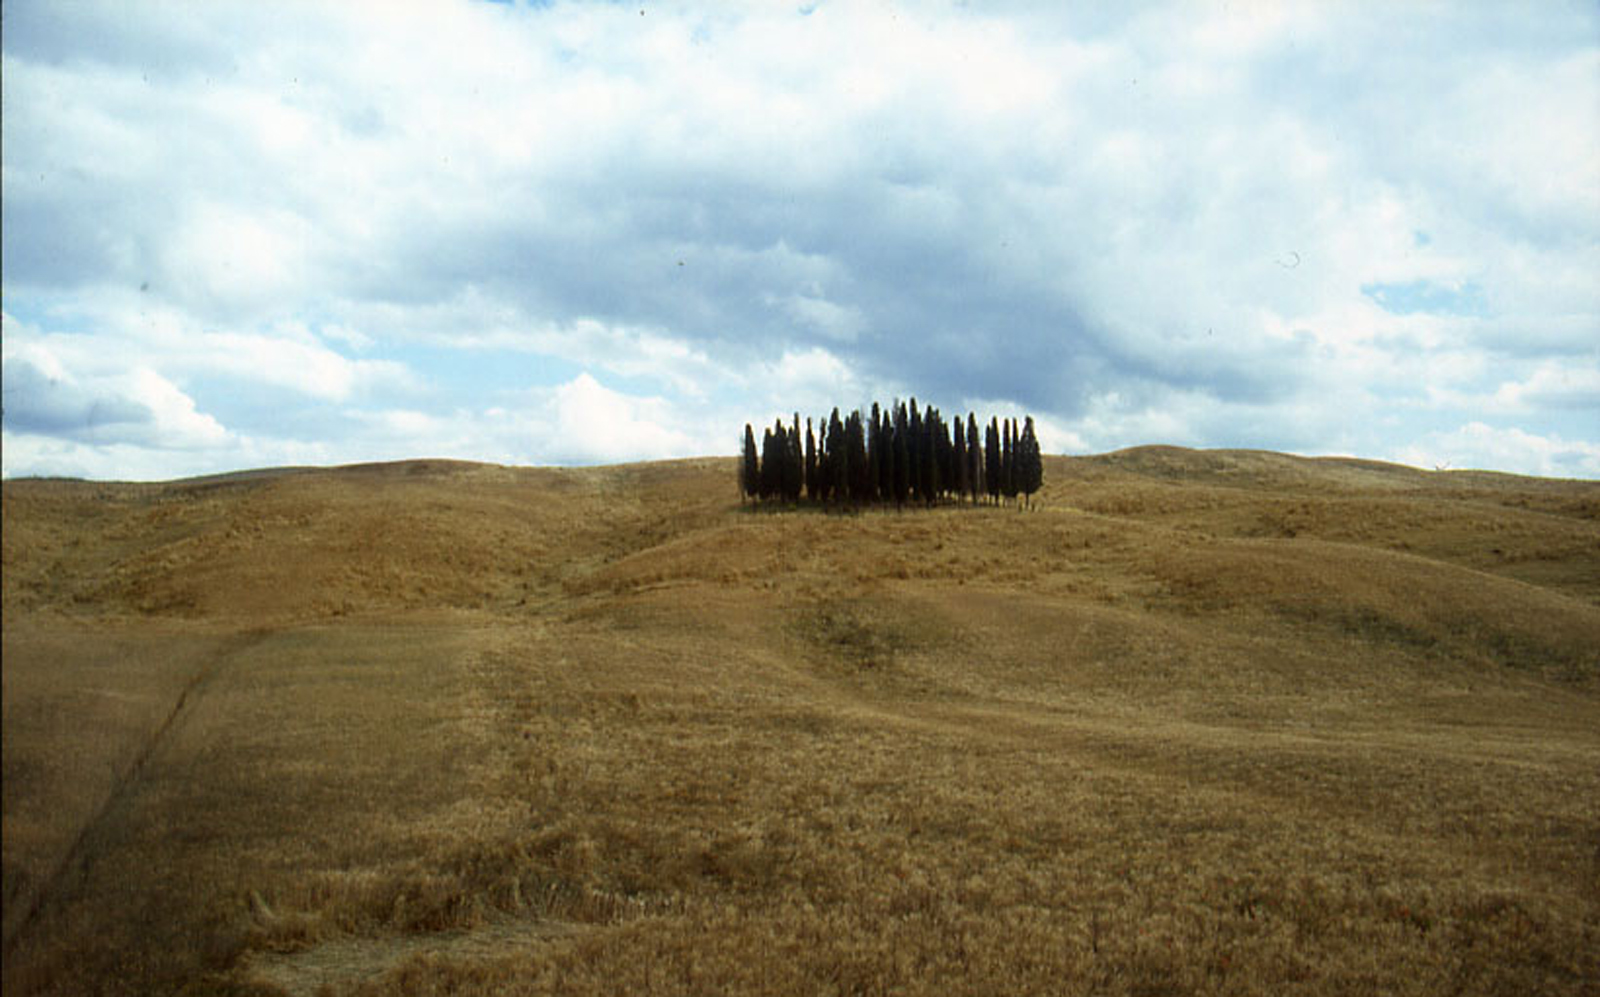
(1269, 468)
(1155, 529)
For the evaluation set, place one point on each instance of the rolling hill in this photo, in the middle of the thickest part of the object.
(1203, 721)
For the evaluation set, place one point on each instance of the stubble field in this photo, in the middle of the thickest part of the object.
(1202, 722)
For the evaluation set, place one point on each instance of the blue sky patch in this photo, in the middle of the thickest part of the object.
(1426, 296)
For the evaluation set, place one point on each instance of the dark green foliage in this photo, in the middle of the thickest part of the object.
(874, 456)
(771, 467)
(1008, 461)
(794, 470)
(974, 458)
(859, 472)
(900, 454)
(811, 463)
(838, 459)
(919, 456)
(750, 466)
(959, 457)
(1030, 462)
(884, 445)
(992, 460)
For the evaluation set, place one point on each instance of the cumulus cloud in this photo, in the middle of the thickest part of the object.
(137, 406)
(1328, 227)
(1478, 445)
(584, 422)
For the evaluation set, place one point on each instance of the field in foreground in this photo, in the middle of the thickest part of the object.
(1205, 722)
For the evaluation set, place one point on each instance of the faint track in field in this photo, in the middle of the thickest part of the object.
(79, 855)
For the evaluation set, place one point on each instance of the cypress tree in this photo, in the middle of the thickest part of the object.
(824, 462)
(959, 459)
(794, 463)
(749, 466)
(874, 456)
(992, 460)
(914, 447)
(771, 464)
(1008, 461)
(887, 460)
(902, 456)
(1030, 462)
(974, 458)
(943, 471)
(811, 463)
(780, 457)
(838, 459)
(855, 436)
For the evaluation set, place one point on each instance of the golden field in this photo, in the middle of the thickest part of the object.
(1217, 722)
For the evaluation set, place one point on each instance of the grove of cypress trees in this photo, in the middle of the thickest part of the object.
(902, 453)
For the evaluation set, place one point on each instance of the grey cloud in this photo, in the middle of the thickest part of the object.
(151, 38)
(36, 402)
(1074, 245)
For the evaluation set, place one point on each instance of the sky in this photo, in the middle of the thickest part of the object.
(248, 234)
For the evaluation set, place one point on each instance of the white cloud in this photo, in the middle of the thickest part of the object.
(136, 408)
(584, 422)
(844, 323)
(1136, 232)
(1478, 445)
(307, 368)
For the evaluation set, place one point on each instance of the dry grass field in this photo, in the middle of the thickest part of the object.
(1203, 722)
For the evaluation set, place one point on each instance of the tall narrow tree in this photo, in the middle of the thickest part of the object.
(974, 458)
(1008, 461)
(992, 461)
(794, 463)
(959, 459)
(874, 456)
(811, 463)
(749, 466)
(914, 447)
(902, 455)
(771, 467)
(886, 461)
(838, 458)
(860, 473)
(1030, 462)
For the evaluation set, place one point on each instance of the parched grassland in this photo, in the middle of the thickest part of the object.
(1214, 722)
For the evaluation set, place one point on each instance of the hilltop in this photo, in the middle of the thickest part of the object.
(1220, 721)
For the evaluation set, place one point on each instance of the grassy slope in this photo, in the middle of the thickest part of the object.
(1225, 722)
